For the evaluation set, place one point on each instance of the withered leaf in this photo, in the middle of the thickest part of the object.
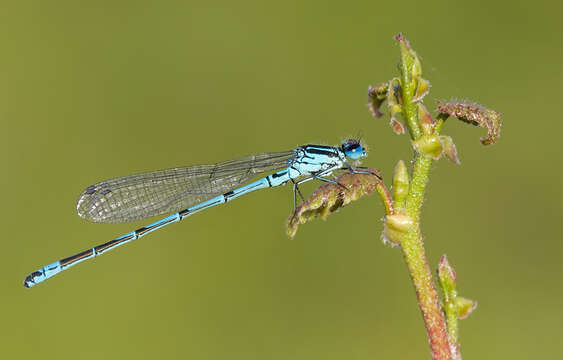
(474, 114)
(329, 197)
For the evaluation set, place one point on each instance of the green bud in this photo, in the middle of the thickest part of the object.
(400, 182)
(395, 109)
(405, 52)
(425, 119)
(428, 145)
(396, 227)
(447, 278)
(422, 89)
(464, 307)
(416, 65)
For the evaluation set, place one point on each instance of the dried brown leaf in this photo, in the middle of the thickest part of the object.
(474, 114)
(329, 197)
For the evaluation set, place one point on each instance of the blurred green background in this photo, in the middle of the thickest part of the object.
(93, 90)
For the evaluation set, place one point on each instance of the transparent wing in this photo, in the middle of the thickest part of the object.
(134, 197)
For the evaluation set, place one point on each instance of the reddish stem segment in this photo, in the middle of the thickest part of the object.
(415, 257)
(428, 299)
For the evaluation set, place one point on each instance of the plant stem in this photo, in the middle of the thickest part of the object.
(415, 257)
(412, 244)
(386, 198)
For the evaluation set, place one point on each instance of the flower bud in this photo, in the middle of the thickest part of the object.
(422, 89)
(425, 119)
(464, 307)
(409, 63)
(400, 182)
(447, 277)
(396, 227)
(428, 145)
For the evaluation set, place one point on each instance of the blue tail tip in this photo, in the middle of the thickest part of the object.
(29, 279)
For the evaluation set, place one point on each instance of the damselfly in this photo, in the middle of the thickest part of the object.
(196, 188)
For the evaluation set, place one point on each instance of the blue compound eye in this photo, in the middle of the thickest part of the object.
(353, 149)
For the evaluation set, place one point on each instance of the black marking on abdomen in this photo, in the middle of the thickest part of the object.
(101, 248)
(74, 258)
(143, 230)
(183, 213)
(226, 196)
(268, 180)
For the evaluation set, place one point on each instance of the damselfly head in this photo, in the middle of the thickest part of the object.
(353, 149)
